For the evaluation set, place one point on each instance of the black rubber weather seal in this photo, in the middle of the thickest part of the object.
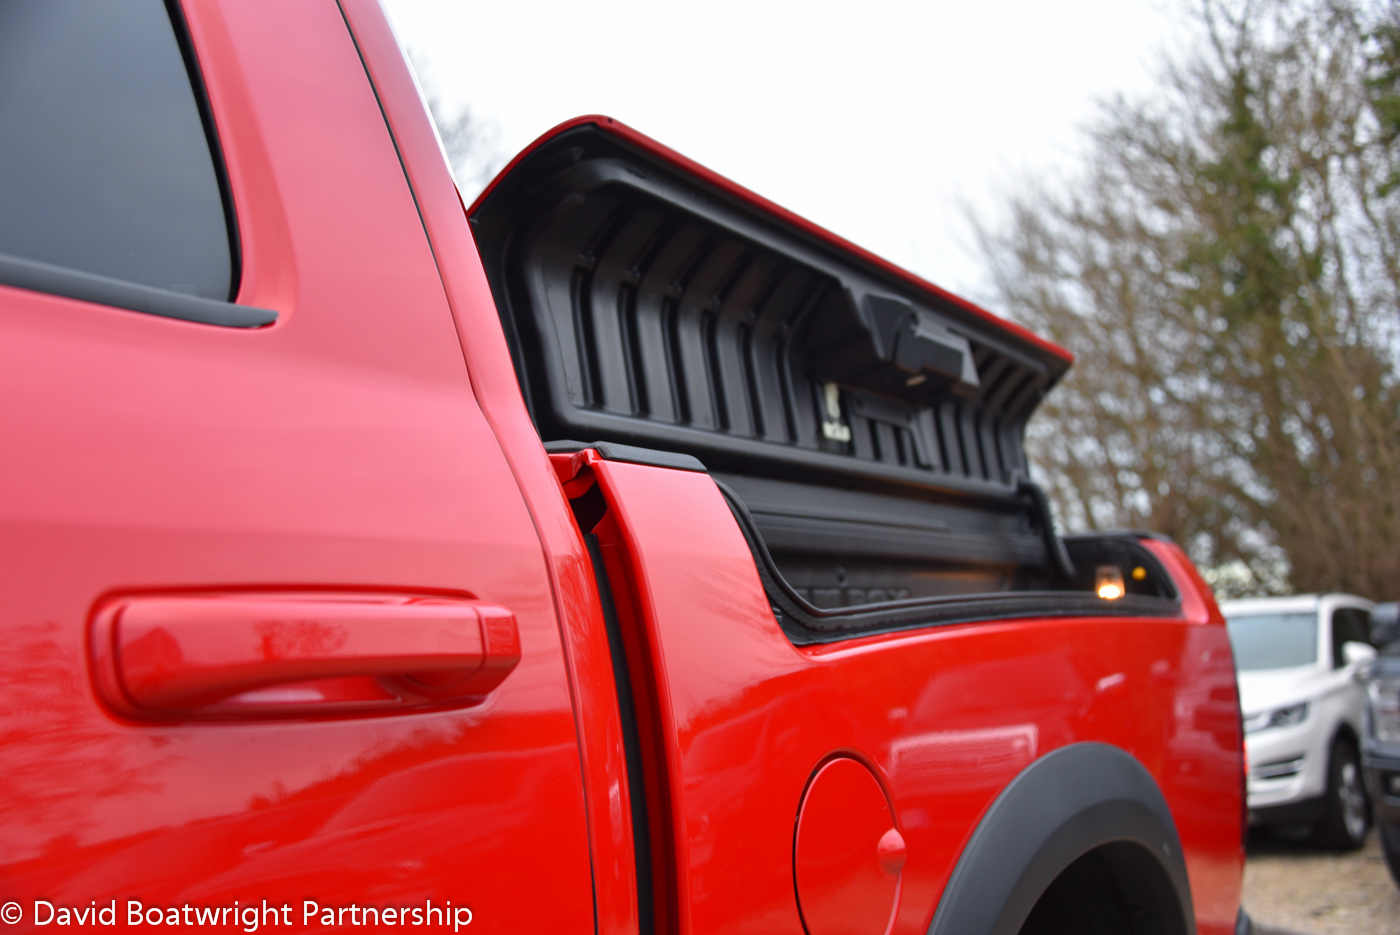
(631, 454)
(101, 290)
(631, 743)
(211, 134)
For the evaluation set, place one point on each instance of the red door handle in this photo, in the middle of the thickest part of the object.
(261, 654)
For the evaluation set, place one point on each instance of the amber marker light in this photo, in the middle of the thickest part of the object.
(1108, 582)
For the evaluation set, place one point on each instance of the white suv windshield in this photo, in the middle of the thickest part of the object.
(1273, 641)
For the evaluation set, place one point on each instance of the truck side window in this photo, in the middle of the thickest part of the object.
(105, 166)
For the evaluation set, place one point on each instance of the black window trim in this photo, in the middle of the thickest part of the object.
(181, 27)
(90, 287)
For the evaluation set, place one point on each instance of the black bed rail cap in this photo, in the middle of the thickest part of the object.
(630, 454)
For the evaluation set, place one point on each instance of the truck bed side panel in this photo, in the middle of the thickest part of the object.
(945, 716)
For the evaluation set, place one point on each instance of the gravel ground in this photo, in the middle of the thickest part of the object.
(1292, 888)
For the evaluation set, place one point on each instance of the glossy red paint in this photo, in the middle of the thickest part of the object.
(340, 450)
(847, 854)
(946, 716)
(891, 852)
(772, 212)
(1208, 720)
(571, 583)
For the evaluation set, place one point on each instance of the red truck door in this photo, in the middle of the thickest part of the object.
(277, 629)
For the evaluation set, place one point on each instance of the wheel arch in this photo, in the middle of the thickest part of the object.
(1345, 730)
(1075, 800)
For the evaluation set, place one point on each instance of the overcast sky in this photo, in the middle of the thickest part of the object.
(877, 119)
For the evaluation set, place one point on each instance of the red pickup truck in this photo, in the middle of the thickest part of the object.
(620, 554)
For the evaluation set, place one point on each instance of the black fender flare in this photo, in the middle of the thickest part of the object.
(1065, 804)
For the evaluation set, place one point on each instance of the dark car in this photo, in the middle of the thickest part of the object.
(1381, 748)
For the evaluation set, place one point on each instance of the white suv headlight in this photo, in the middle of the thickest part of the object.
(1384, 696)
(1278, 717)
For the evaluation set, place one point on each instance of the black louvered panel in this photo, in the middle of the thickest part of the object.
(948, 422)
(558, 271)
(782, 377)
(694, 312)
(642, 310)
(625, 236)
(724, 344)
(772, 416)
(874, 427)
(993, 374)
(657, 299)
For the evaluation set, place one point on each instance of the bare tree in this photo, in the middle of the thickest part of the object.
(1225, 270)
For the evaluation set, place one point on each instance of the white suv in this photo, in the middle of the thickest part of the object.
(1301, 661)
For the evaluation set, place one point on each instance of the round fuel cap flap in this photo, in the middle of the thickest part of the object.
(848, 853)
